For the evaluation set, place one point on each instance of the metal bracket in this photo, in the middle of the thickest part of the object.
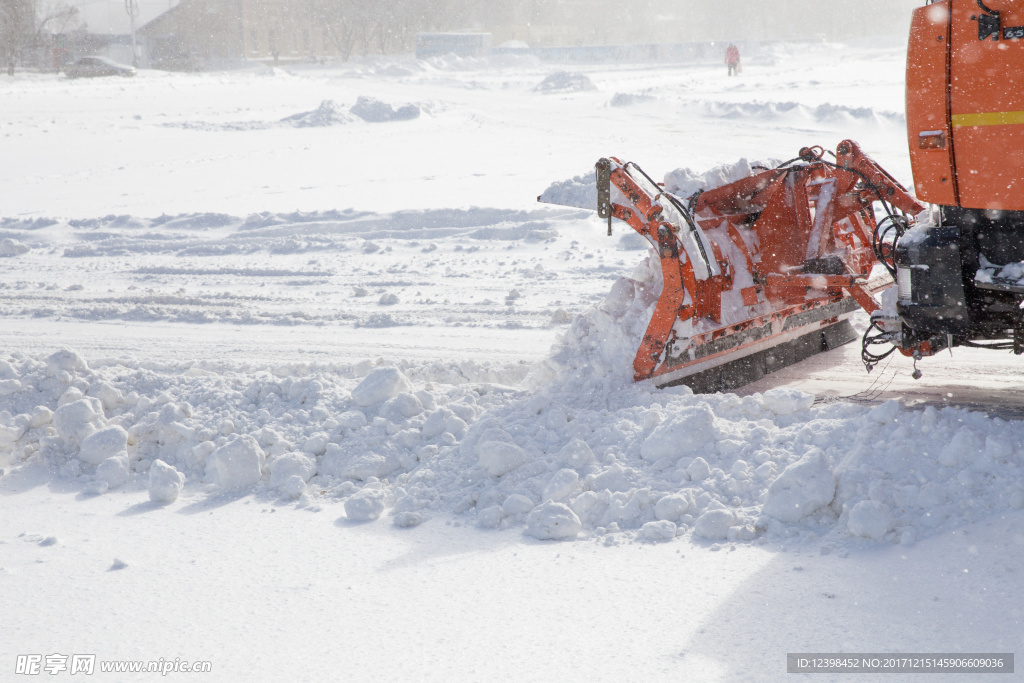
(989, 24)
(604, 191)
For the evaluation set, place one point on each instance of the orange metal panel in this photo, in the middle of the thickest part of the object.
(928, 104)
(987, 108)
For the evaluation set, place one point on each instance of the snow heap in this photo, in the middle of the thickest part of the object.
(581, 191)
(12, 247)
(624, 99)
(375, 111)
(565, 81)
(583, 453)
(683, 182)
(327, 114)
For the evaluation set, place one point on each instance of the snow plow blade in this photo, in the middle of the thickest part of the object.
(751, 364)
(762, 272)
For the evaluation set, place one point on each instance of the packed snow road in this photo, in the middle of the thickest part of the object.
(330, 388)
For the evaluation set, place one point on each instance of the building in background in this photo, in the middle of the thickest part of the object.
(195, 34)
(215, 33)
(294, 30)
(550, 23)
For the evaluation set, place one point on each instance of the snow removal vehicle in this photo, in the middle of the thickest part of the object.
(767, 270)
(961, 278)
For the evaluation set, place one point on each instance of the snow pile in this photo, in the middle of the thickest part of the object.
(579, 191)
(601, 344)
(327, 114)
(375, 111)
(565, 81)
(623, 99)
(585, 453)
(685, 182)
(831, 114)
(11, 247)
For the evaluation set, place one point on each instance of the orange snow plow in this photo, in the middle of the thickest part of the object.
(762, 272)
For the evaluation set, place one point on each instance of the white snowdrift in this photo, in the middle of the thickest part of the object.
(585, 452)
(11, 247)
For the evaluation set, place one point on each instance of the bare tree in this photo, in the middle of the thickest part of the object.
(343, 21)
(16, 27)
(57, 15)
(25, 24)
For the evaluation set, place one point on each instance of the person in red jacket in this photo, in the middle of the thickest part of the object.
(732, 59)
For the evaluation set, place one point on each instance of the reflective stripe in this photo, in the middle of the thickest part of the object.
(992, 118)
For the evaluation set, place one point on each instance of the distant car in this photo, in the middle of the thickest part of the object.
(89, 67)
(179, 62)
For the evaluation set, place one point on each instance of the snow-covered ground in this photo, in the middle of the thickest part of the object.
(312, 395)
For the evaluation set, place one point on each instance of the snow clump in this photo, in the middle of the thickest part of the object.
(11, 247)
(715, 524)
(785, 401)
(576, 454)
(801, 489)
(103, 444)
(661, 530)
(870, 519)
(77, 420)
(291, 465)
(236, 464)
(375, 111)
(625, 99)
(165, 482)
(113, 471)
(552, 521)
(683, 182)
(365, 505)
(380, 385)
(690, 431)
(565, 81)
(499, 457)
(327, 114)
(579, 191)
